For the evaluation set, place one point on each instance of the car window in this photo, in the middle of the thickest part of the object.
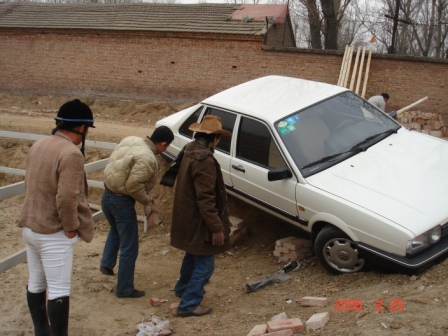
(187, 123)
(228, 123)
(255, 144)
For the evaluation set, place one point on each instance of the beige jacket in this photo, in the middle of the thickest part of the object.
(55, 195)
(132, 168)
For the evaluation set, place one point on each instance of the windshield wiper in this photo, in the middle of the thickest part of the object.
(384, 135)
(354, 150)
(333, 156)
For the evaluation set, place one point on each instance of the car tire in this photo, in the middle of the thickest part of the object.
(337, 253)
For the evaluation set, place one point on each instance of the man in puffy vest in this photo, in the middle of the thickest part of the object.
(129, 176)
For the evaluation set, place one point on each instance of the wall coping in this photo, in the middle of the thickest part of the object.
(341, 52)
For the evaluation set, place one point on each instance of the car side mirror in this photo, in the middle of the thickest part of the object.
(279, 174)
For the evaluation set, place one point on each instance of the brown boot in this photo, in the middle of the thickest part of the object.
(199, 311)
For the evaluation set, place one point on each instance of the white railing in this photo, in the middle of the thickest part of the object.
(19, 188)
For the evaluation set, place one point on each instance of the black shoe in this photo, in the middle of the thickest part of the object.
(106, 271)
(135, 294)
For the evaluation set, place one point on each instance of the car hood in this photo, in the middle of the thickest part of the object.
(403, 178)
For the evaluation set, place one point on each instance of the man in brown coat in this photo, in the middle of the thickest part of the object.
(200, 222)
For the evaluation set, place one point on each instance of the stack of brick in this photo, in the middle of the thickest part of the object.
(289, 326)
(239, 233)
(292, 248)
(424, 122)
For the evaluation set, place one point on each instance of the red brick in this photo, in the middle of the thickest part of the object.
(236, 222)
(259, 329)
(318, 320)
(297, 244)
(286, 332)
(295, 324)
(282, 249)
(155, 302)
(314, 301)
(280, 242)
(277, 253)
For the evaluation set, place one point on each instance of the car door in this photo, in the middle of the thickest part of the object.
(222, 150)
(255, 153)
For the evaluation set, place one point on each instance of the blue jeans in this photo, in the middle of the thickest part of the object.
(195, 272)
(123, 236)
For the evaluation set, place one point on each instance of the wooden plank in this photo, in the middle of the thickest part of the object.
(349, 63)
(358, 82)
(97, 165)
(18, 135)
(12, 171)
(34, 137)
(12, 260)
(411, 105)
(344, 70)
(12, 190)
(340, 80)
(97, 215)
(366, 77)
(355, 68)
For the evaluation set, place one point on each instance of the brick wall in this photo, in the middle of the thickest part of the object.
(181, 68)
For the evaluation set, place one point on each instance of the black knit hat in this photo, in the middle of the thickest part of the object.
(75, 112)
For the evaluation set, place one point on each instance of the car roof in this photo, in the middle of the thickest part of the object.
(273, 97)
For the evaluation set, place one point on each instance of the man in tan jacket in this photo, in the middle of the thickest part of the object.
(55, 215)
(129, 176)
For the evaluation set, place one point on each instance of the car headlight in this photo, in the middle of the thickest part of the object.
(424, 240)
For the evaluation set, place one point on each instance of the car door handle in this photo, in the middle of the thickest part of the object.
(240, 168)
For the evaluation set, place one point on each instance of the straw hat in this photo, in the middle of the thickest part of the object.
(210, 125)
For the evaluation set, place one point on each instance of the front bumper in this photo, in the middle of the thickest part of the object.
(409, 265)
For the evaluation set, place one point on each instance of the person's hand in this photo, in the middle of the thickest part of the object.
(148, 209)
(70, 234)
(218, 238)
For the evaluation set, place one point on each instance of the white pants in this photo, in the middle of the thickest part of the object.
(50, 259)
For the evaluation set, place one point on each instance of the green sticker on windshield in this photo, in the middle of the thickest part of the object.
(287, 125)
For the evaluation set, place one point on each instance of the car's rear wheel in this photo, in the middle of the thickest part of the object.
(337, 252)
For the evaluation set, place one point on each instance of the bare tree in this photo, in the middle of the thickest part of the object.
(315, 23)
(324, 20)
(421, 27)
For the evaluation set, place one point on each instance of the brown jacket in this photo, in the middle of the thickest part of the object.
(55, 195)
(200, 203)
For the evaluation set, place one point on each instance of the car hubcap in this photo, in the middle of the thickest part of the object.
(342, 255)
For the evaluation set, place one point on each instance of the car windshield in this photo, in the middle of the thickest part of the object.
(333, 130)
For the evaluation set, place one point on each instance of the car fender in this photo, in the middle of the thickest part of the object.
(316, 221)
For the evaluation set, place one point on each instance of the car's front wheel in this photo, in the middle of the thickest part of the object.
(337, 252)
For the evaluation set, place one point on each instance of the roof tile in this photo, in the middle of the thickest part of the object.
(197, 18)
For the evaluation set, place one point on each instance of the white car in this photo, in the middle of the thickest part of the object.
(320, 157)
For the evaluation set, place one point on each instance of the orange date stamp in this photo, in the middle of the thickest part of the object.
(356, 305)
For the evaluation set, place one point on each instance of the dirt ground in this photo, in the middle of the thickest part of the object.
(388, 304)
